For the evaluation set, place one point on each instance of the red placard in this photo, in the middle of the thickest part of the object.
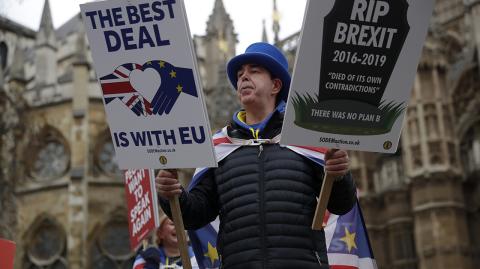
(142, 204)
(7, 254)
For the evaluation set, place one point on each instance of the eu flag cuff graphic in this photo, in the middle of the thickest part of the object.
(175, 80)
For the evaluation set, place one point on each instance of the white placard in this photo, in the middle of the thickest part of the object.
(144, 60)
(354, 71)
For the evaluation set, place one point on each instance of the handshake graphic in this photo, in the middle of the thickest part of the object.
(151, 88)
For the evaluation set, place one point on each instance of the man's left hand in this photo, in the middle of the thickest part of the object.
(336, 163)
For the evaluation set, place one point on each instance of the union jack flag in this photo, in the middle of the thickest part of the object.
(139, 262)
(117, 85)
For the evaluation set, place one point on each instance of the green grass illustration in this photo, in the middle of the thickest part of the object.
(390, 112)
(303, 105)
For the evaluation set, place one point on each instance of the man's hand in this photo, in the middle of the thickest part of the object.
(167, 183)
(336, 163)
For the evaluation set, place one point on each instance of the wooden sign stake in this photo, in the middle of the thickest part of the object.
(180, 229)
(323, 198)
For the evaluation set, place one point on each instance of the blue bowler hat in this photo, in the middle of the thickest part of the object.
(267, 56)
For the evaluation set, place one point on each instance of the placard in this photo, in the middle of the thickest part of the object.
(354, 72)
(146, 67)
(7, 253)
(142, 205)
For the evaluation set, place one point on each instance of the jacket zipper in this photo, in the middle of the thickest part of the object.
(318, 258)
(262, 206)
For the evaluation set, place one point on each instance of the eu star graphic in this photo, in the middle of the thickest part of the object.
(349, 240)
(212, 253)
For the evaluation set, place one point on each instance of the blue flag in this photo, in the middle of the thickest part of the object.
(204, 245)
(347, 241)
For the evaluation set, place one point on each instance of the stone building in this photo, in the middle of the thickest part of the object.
(62, 196)
(428, 193)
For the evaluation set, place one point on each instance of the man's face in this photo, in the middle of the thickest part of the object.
(255, 86)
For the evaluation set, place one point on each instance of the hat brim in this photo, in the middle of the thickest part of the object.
(274, 67)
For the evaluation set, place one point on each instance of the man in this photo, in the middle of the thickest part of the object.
(264, 193)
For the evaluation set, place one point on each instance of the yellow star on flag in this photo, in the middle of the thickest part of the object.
(173, 74)
(349, 239)
(161, 63)
(179, 88)
(149, 63)
(212, 253)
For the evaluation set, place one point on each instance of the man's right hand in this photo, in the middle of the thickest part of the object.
(167, 183)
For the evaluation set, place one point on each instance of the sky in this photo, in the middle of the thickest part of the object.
(247, 15)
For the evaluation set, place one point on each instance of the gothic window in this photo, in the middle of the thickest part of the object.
(427, 89)
(3, 55)
(50, 156)
(442, 82)
(436, 156)
(105, 156)
(464, 93)
(391, 172)
(452, 153)
(111, 248)
(447, 118)
(51, 160)
(431, 120)
(46, 248)
(470, 148)
(416, 157)
(403, 243)
(413, 125)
